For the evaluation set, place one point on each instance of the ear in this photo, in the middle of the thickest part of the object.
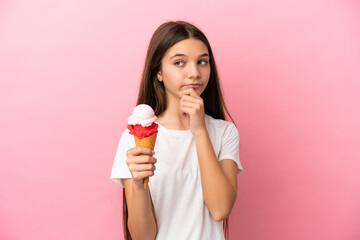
(159, 76)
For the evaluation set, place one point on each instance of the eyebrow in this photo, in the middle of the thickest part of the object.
(183, 55)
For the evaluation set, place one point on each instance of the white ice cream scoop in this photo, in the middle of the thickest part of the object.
(142, 114)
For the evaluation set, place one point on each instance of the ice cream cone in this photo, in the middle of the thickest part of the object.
(147, 142)
(141, 124)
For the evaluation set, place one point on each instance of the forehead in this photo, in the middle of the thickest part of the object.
(189, 47)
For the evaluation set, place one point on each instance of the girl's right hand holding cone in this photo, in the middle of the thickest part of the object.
(141, 162)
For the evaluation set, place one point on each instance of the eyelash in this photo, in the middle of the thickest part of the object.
(205, 62)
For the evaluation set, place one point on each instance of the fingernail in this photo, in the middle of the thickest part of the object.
(153, 152)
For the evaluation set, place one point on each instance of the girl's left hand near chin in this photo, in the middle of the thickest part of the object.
(193, 105)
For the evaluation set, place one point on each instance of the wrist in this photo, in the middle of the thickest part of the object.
(202, 132)
(138, 185)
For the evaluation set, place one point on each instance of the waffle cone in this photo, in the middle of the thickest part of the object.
(147, 142)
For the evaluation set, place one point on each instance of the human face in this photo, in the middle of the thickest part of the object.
(185, 65)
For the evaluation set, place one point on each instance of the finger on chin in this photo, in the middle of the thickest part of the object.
(190, 91)
(184, 114)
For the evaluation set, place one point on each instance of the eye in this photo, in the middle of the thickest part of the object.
(203, 62)
(179, 63)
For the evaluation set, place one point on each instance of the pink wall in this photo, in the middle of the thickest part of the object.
(69, 72)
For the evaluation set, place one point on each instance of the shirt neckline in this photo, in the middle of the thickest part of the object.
(174, 131)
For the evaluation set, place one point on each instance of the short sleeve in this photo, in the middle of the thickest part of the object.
(230, 146)
(120, 169)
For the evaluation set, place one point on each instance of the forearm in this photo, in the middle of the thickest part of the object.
(141, 221)
(219, 194)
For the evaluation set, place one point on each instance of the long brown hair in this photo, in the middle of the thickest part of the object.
(152, 91)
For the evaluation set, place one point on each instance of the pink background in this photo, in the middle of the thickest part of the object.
(69, 75)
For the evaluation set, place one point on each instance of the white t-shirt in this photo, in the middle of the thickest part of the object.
(175, 188)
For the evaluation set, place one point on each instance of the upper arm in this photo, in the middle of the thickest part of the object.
(230, 169)
(228, 155)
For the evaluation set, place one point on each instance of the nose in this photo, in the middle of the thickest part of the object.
(193, 71)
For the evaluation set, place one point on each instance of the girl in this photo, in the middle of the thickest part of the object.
(193, 187)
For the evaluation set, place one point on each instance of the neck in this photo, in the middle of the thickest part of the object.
(172, 117)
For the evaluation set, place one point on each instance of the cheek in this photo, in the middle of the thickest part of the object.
(206, 80)
(206, 74)
(172, 75)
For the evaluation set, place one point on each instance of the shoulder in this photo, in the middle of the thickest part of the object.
(125, 132)
(219, 125)
(126, 138)
(222, 131)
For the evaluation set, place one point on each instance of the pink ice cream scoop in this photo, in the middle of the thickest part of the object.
(141, 122)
